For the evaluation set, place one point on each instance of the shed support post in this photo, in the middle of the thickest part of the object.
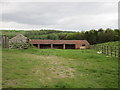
(38, 46)
(51, 46)
(63, 46)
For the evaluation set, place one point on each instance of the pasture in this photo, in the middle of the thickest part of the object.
(58, 68)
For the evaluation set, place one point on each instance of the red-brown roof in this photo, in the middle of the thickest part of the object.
(58, 41)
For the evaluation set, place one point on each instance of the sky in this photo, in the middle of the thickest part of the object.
(67, 16)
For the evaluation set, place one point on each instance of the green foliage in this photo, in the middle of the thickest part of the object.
(52, 36)
(92, 36)
(113, 44)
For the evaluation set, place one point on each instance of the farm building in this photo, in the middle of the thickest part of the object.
(19, 41)
(60, 44)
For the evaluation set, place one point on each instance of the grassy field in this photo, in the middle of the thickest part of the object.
(113, 44)
(54, 68)
(109, 48)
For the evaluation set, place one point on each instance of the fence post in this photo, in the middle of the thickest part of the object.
(95, 47)
(98, 47)
(102, 48)
(119, 52)
(115, 51)
(107, 50)
(111, 51)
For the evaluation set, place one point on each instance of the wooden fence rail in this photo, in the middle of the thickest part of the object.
(108, 50)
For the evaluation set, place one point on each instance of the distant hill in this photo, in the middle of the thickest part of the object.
(36, 34)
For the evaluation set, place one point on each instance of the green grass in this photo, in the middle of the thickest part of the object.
(113, 43)
(54, 68)
(0, 67)
(112, 47)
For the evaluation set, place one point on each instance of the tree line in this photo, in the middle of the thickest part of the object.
(92, 36)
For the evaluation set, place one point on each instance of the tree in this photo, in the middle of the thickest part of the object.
(52, 36)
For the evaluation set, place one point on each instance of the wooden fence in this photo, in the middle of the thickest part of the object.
(4, 41)
(108, 50)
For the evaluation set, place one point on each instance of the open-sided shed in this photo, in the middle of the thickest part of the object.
(61, 44)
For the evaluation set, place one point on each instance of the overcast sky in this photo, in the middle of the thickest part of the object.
(75, 16)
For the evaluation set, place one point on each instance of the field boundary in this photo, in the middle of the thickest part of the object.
(4, 41)
(108, 50)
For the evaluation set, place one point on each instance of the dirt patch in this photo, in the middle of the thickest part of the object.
(34, 56)
(56, 67)
(11, 82)
(62, 72)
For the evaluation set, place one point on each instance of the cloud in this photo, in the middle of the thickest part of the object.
(62, 15)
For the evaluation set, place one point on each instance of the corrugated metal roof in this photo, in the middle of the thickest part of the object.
(33, 41)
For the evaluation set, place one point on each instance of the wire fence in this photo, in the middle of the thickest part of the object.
(108, 50)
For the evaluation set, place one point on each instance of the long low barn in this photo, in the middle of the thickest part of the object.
(60, 44)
